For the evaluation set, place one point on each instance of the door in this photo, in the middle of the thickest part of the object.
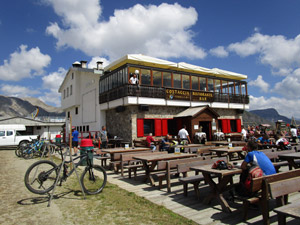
(206, 128)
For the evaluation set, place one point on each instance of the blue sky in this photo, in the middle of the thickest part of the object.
(40, 39)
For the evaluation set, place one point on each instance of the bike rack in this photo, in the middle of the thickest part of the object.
(62, 165)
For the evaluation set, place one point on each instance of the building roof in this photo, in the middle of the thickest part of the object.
(143, 60)
(28, 122)
(194, 111)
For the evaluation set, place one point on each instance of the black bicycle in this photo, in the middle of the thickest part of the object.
(41, 176)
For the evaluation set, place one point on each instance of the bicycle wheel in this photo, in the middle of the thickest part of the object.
(93, 179)
(18, 151)
(40, 177)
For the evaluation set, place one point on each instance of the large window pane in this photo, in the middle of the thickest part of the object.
(167, 79)
(131, 72)
(231, 87)
(146, 77)
(224, 87)
(185, 81)
(148, 126)
(156, 78)
(237, 88)
(125, 76)
(233, 126)
(177, 80)
(195, 84)
(243, 87)
(218, 86)
(210, 85)
(202, 83)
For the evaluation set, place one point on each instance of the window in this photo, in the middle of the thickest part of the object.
(64, 93)
(218, 86)
(186, 81)
(38, 127)
(148, 127)
(87, 128)
(195, 83)
(156, 78)
(202, 84)
(9, 133)
(167, 79)
(210, 85)
(131, 72)
(176, 80)
(158, 127)
(67, 92)
(224, 87)
(72, 76)
(237, 88)
(231, 87)
(76, 110)
(2, 133)
(233, 127)
(243, 89)
(71, 89)
(68, 114)
(146, 77)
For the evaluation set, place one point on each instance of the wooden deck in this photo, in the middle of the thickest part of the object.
(190, 207)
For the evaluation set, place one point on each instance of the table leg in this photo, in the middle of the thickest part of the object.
(148, 169)
(292, 163)
(217, 191)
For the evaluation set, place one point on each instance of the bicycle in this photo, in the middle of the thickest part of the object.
(42, 176)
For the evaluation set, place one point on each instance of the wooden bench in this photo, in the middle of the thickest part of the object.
(100, 155)
(127, 161)
(165, 169)
(260, 185)
(292, 210)
(197, 178)
(116, 164)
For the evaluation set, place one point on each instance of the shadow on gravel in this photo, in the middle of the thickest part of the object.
(43, 199)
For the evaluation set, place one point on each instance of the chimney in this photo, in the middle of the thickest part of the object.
(99, 65)
(76, 64)
(83, 64)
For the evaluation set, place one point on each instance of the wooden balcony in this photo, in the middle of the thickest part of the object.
(161, 92)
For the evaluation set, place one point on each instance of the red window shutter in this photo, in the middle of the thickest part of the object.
(140, 127)
(225, 126)
(238, 126)
(164, 127)
(157, 127)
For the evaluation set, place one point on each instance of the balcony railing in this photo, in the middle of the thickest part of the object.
(160, 92)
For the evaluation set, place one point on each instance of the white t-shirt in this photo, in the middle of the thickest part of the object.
(244, 132)
(183, 134)
(294, 132)
(134, 80)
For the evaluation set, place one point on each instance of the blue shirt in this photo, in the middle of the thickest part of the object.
(75, 135)
(260, 159)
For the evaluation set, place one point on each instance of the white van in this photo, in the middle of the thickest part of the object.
(9, 135)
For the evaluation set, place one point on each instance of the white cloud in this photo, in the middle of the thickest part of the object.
(51, 84)
(160, 31)
(93, 62)
(23, 64)
(18, 91)
(289, 87)
(284, 106)
(219, 52)
(259, 82)
(280, 53)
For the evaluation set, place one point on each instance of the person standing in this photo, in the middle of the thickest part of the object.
(134, 79)
(184, 135)
(244, 134)
(294, 133)
(75, 140)
(103, 137)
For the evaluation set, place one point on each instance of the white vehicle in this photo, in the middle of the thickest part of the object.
(9, 135)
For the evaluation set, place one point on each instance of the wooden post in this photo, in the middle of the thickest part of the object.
(70, 136)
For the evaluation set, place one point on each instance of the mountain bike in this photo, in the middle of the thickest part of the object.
(42, 176)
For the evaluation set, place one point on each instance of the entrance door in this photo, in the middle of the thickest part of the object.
(206, 128)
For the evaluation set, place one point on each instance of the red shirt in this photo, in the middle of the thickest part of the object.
(149, 139)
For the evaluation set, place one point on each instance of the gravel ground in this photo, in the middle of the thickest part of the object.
(19, 206)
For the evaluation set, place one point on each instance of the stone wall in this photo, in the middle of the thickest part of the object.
(123, 124)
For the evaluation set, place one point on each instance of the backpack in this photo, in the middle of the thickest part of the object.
(254, 172)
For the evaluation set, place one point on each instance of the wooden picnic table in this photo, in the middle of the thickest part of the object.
(234, 143)
(150, 161)
(113, 151)
(291, 157)
(188, 147)
(217, 189)
(228, 151)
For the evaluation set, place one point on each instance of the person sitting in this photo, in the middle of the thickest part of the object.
(254, 161)
(151, 142)
(166, 143)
